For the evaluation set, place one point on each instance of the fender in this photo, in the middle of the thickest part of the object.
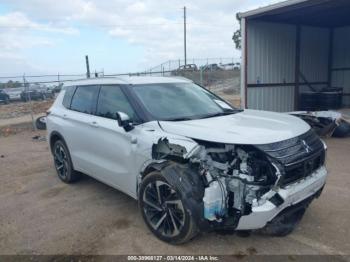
(54, 136)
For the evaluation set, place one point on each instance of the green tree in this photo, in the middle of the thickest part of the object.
(237, 39)
(237, 36)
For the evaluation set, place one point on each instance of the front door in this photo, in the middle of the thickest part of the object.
(113, 147)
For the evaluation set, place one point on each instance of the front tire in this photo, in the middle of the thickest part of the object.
(283, 225)
(163, 210)
(63, 163)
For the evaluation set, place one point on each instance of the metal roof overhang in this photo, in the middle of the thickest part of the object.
(322, 13)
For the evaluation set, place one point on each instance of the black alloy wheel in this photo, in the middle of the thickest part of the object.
(63, 163)
(164, 211)
(163, 208)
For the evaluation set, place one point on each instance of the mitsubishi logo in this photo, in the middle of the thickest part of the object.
(306, 146)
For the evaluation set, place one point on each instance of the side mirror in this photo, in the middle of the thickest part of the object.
(124, 121)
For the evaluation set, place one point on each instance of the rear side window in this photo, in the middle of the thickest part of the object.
(84, 99)
(67, 99)
(111, 100)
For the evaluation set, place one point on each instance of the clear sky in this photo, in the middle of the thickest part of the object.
(120, 36)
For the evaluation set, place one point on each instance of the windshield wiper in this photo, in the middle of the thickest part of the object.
(225, 113)
(179, 119)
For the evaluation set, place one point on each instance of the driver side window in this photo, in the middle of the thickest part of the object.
(111, 100)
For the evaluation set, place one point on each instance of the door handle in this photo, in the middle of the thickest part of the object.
(94, 124)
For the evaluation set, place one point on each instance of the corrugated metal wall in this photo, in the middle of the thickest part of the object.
(277, 98)
(271, 52)
(314, 47)
(341, 59)
(271, 59)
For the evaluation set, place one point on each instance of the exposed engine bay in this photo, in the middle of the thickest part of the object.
(223, 183)
(234, 178)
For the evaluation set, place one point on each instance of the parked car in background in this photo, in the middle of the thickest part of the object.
(211, 67)
(4, 98)
(57, 88)
(47, 92)
(34, 94)
(14, 93)
(39, 93)
(231, 66)
(194, 162)
(188, 67)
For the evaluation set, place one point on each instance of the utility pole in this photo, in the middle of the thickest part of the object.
(87, 67)
(185, 51)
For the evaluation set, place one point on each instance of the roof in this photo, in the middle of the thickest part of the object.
(320, 13)
(128, 80)
(268, 8)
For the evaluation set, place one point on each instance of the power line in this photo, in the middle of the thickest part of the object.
(127, 26)
(38, 76)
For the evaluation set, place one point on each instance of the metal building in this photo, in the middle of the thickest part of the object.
(289, 46)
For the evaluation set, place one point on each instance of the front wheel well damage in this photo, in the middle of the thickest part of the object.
(152, 167)
(149, 169)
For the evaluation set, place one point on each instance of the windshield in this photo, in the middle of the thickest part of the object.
(180, 101)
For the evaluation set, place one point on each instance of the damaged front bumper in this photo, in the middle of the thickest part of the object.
(292, 194)
(244, 187)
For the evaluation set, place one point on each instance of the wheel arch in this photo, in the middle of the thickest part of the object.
(147, 169)
(55, 136)
(153, 166)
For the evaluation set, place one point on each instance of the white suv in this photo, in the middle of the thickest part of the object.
(192, 161)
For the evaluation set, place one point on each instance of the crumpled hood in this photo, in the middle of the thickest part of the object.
(248, 127)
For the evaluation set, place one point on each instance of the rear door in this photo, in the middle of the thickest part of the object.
(80, 130)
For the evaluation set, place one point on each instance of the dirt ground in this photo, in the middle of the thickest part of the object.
(15, 117)
(41, 215)
(20, 109)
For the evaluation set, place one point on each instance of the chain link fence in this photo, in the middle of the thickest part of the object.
(219, 75)
(30, 96)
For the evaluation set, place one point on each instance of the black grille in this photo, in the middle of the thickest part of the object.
(303, 169)
(300, 156)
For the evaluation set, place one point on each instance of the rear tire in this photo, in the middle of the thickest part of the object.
(63, 163)
(163, 210)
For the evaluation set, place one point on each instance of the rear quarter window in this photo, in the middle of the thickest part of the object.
(67, 99)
